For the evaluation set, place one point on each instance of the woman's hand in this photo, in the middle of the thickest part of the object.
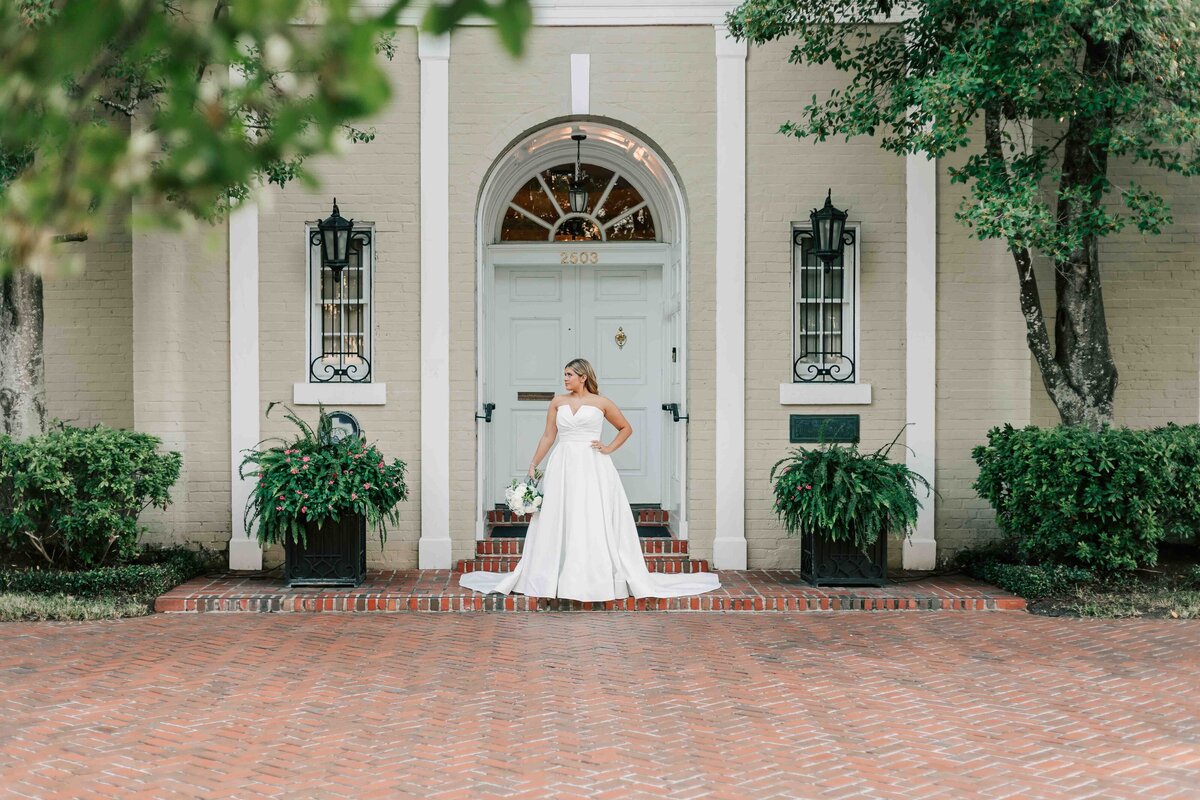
(600, 447)
(532, 472)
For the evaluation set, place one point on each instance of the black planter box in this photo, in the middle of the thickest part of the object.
(827, 563)
(334, 555)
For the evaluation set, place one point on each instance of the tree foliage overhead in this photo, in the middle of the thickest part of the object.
(183, 104)
(1057, 88)
(924, 83)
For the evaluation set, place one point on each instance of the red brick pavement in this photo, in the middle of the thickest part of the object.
(621, 706)
(438, 590)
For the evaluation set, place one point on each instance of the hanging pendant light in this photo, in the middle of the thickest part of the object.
(578, 194)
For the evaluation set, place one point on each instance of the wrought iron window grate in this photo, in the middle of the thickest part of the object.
(340, 347)
(823, 309)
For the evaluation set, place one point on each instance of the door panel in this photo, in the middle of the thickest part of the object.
(547, 315)
(628, 301)
(533, 336)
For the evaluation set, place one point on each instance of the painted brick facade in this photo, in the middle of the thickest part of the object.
(89, 330)
(786, 178)
(141, 337)
(376, 182)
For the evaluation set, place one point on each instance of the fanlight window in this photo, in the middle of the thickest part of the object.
(540, 211)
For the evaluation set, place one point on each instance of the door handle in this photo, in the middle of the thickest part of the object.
(674, 409)
(486, 416)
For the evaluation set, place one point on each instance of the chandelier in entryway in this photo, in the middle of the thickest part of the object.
(572, 202)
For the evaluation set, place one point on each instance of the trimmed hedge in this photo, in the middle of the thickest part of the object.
(1101, 500)
(71, 497)
(169, 569)
(1031, 581)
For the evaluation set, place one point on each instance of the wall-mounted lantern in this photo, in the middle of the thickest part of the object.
(828, 225)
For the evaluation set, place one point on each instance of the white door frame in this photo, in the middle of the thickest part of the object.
(550, 254)
(638, 159)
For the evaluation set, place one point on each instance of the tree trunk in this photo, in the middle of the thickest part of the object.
(1081, 345)
(22, 367)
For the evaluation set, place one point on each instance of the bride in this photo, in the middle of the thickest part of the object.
(583, 543)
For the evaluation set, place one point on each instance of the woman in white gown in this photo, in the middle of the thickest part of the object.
(583, 543)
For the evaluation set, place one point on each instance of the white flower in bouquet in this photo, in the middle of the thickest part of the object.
(523, 498)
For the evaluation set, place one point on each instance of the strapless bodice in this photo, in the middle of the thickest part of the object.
(582, 426)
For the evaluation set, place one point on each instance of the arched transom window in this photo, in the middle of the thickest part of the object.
(540, 211)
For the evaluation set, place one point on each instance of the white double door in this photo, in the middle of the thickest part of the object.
(544, 315)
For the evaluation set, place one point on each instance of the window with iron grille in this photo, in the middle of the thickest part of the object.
(340, 340)
(824, 311)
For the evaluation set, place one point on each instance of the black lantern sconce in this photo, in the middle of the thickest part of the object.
(578, 193)
(828, 227)
(333, 236)
(342, 352)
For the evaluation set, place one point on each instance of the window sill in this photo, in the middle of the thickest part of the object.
(342, 394)
(825, 394)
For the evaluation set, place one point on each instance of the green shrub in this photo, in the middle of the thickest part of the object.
(1180, 505)
(838, 492)
(72, 496)
(1031, 581)
(1073, 496)
(161, 571)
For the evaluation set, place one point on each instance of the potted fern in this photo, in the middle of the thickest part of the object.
(843, 504)
(315, 495)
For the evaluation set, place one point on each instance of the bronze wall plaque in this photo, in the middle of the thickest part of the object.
(536, 396)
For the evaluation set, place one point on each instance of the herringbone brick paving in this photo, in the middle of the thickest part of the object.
(622, 706)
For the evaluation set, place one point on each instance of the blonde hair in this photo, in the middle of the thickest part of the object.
(583, 368)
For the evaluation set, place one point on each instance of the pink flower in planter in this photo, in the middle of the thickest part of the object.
(305, 497)
(294, 470)
(281, 497)
(366, 485)
(353, 496)
(808, 486)
(331, 483)
(303, 509)
(279, 508)
(305, 459)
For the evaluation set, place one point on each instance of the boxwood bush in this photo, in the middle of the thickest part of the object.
(1180, 503)
(1073, 496)
(1103, 500)
(71, 497)
(156, 573)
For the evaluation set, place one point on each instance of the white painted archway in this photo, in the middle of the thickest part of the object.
(622, 150)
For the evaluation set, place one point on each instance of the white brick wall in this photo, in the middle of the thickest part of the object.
(181, 374)
(89, 330)
(786, 179)
(375, 182)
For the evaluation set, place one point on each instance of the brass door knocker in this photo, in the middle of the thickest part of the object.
(620, 338)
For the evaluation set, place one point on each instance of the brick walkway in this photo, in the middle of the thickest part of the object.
(438, 590)
(622, 706)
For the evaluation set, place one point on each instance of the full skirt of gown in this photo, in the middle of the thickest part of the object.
(583, 543)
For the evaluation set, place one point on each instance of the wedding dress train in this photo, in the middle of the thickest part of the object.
(583, 543)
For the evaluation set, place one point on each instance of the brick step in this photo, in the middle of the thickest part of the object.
(513, 547)
(643, 516)
(770, 591)
(672, 564)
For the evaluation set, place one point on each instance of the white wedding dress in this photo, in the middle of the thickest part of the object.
(583, 543)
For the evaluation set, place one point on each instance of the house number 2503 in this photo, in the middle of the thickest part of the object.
(591, 257)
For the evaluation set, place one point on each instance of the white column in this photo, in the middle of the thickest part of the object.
(581, 83)
(244, 410)
(920, 551)
(729, 547)
(433, 551)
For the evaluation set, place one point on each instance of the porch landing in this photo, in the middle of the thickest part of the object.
(438, 590)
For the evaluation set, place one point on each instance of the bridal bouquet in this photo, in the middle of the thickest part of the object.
(524, 498)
